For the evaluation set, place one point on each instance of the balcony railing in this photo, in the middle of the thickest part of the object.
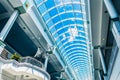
(32, 61)
(27, 67)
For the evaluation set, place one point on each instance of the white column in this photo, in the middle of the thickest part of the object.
(102, 60)
(8, 25)
(111, 9)
(38, 53)
(46, 62)
(99, 75)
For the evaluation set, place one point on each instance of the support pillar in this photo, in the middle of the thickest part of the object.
(102, 60)
(38, 53)
(61, 76)
(99, 75)
(103, 63)
(46, 62)
(8, 25)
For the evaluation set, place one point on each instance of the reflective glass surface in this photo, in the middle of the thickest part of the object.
(66, 19)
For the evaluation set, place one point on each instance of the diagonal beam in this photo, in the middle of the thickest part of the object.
(8, 25)
(111, 9)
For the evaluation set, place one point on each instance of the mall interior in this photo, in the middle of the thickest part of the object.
(59, 39)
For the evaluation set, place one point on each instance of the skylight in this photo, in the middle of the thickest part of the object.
(66, 20)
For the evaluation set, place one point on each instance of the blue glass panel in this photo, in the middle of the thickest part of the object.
(73, 26)
(70, 15)
(79, 22)
(63, 41)
(68, 22)
(46, 16)
(82, 66)
(78, 53)
(68, 44)
(66, 28)
(63, 16)
(38, 1)
(81, 38)
(61, 37)
(69, 7)
(58, 26)
(58, 2)
(83, 34)
(56, 19)
(42, 8)
(67, 34)
(75, 49)
(76, 6)
(79, 42)
(56, 35)
(53, 30)
(53, 12)
(49, 24)
(74, 61)
(76, 46)
(50, 3)
(80, 28)
(65, 1)
(76, 66)
(75, 42)
(61, 9)
(78, 15)
(76, 58)
(61, 31)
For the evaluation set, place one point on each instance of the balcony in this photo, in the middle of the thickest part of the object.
(27, 69)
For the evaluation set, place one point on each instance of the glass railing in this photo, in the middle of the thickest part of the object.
(114, 53)
(27, 65)
(117, 23)
(116, 26)
(32, 61)
(5, 54)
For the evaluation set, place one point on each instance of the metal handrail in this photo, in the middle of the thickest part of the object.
(32, 61)
(15, 63)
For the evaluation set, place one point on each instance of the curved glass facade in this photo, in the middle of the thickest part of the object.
(67, 22)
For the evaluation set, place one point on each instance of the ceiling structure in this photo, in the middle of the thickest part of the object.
(21, 41)
(67, 22)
